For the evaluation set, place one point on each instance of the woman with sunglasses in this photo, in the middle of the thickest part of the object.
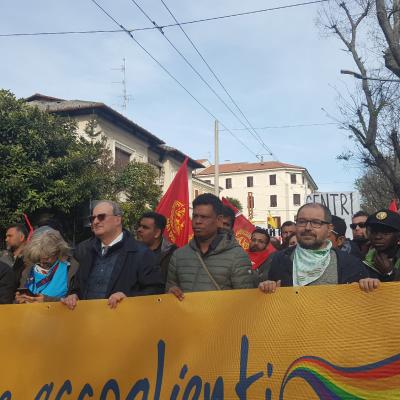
(50, 273)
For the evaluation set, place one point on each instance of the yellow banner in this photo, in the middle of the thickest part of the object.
(326, 342)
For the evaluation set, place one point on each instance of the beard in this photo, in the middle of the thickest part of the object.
(310, 245)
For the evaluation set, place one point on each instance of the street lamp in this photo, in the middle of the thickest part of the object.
(366, 78)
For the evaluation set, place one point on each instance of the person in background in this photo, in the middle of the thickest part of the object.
(287, 229)
(228, 218)
(292, 239)
(359, 228)
(16, 237)
(337, 235)
(150, 231)
(260, 253)
(49, 274)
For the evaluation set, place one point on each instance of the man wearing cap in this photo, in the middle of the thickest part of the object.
(383, 258)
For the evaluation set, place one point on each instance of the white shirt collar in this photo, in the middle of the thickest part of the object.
(115, 241)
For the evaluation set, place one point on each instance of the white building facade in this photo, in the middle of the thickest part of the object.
(266, 188)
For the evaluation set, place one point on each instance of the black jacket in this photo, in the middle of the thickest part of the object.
(135, 273)
(8, 284)
(350, 269)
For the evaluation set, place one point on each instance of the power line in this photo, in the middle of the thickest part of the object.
(287, 126)
(256, 135)
(95, 31)
(196, 71)
(171, 75)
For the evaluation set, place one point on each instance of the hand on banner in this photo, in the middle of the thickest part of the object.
(177, 292)
(369, 284)
(115, 298)
(269, 286)
(70, 301)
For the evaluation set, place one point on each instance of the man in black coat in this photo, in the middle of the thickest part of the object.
(313, 261)
(113, 265)
(8, 284)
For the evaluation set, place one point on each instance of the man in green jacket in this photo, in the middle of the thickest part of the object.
(213, 259)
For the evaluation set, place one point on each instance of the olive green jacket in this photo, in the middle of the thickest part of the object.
(227, 263)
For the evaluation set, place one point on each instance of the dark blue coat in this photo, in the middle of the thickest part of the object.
(135, 274)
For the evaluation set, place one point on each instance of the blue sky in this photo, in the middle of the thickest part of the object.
(276, 65)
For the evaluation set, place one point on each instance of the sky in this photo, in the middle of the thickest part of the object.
(276, 65)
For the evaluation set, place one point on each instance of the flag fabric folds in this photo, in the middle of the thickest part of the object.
(174, 205)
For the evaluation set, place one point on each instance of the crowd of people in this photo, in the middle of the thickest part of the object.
(115, 263)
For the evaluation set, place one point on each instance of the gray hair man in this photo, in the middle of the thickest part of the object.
(113, 265)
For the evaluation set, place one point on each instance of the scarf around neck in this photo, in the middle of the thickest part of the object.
(309, 265)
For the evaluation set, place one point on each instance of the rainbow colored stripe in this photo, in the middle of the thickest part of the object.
(377, 381)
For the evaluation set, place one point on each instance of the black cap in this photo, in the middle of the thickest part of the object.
(386, 218)
(339, 225)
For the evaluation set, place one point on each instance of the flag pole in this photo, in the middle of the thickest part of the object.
(216, 160)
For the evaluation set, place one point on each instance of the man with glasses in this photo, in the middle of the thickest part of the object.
(313, 261)
(358, 226)
(113, 265)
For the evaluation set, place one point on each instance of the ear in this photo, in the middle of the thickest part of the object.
(220, 220)
(157, 234)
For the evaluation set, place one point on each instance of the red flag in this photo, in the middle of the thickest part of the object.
(29, 226)
(257, 258)
(393, 206)
(174, 205)
(243, 229)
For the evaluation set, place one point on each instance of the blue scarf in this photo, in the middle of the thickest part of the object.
(57, 286)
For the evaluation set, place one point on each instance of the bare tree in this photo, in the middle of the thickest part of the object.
(372, 113)
(388, 13)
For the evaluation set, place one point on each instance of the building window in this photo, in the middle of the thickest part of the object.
(293, 179)
(272, 179)
(122, 158)
(296, 199)
(228, 183)
(273, 201)
(302, 179)
(196, 193)
(249, 181)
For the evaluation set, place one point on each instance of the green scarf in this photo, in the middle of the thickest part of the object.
(309, 265)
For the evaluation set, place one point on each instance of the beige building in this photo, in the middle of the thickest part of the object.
(126, 140)
(263, 188)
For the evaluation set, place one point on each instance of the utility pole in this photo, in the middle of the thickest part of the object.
(216, 160)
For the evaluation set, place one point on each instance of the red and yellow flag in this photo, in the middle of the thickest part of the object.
(174, 205)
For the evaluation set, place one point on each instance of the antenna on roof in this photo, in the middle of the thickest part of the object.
(125, 97)
(261, 156)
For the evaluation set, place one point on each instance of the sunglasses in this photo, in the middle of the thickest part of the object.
(360, 225)
(101, 217)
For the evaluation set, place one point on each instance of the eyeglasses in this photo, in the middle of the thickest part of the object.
(101, 217)
(315, 223)
(360, 224)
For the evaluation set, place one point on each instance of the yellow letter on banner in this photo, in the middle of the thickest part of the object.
(322, 342)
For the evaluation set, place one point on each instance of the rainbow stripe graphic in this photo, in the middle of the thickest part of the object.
(377, 381)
